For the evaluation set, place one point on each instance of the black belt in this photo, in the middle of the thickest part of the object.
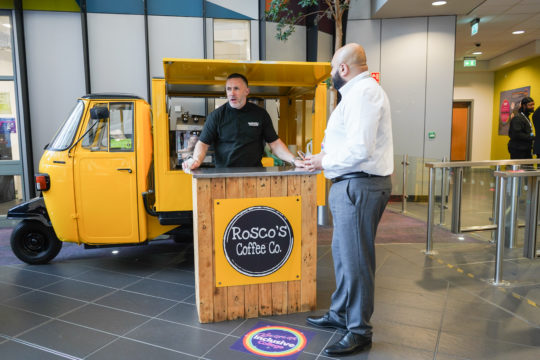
(358, 174)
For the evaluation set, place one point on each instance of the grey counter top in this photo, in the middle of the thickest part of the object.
(202, 173)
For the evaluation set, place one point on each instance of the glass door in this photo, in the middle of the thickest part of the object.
(11, 169)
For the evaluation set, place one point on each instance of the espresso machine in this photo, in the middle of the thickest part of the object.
(186, 133)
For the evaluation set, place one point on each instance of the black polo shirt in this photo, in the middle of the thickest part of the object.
(238, 135)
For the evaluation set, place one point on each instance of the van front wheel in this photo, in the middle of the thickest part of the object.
(34, 243)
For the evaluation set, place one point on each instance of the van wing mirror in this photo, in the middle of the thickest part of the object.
(99, 112)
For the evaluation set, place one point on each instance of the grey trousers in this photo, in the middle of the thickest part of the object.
(357, 206)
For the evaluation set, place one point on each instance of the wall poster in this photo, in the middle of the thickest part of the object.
(509, 106)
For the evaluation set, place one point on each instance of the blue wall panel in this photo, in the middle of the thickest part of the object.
(216, 11)
(135, 7)
(192, 8)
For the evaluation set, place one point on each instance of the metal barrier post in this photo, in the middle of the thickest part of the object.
(443, 192)
(529, 245)
(513, 209)
(496, 199)
(499, 258)
(405, 163)
(429, 242)
(456, 201)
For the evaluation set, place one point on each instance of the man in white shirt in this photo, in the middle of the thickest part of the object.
(357, 155)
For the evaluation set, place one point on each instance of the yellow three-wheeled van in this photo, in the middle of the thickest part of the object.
(112, 174)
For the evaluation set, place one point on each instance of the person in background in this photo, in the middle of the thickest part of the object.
(358, 158)
(238, 130)
(536, 123)
(521, 132)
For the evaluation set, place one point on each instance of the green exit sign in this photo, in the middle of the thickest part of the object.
(469, 62)
(474, 29)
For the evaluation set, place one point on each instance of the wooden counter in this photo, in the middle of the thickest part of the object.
(218, 303)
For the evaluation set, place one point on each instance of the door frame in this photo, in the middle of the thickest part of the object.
(470, 107)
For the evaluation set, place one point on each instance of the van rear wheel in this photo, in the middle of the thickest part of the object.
(34, 243)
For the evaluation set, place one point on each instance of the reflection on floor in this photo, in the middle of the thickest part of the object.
(140, 304)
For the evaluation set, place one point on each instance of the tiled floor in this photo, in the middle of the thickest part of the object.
(139, 303)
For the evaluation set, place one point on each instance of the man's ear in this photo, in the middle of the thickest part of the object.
(247, 89)
(343, 70)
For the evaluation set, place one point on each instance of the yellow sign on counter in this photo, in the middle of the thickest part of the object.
(257, 240)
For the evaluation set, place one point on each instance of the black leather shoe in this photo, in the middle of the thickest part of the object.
(324, 322)
(348, 344)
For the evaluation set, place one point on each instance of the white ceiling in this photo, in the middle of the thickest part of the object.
(498, 18)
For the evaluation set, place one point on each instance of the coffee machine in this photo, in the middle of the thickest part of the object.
(187, 129)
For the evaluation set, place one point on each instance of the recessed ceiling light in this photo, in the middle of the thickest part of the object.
(7, 25)
(438, 3)
(517, 32)
(477, 53)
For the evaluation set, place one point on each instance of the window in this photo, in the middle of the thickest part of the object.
(232, 39)
(113, 134)
(64, 137)
(121, 129)
(95, 138)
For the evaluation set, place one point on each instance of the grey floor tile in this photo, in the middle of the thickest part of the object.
(105, 319)
(419, 300)
(62, 269)
(162, 289)
(405, 315)
(483, 348)
(187, 339)
(44, 303)
(78, 290)
(67, 338)
(190, 300)
(136, 303)
(177, 276)
(510, 330)
(26, 278)
(133, 350)
(405, 335)
(8, 291)
(12, 350)
(107, 278)
(14, 321)
(186, 314)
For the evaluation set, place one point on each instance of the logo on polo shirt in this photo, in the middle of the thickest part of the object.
(253, 123)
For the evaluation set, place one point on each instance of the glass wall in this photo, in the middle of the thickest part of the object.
(11, 184)
(232, 39)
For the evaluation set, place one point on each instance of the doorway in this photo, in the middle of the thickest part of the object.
(460, 140)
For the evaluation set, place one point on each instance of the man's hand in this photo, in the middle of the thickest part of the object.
(314, 162)
(190, 164)
(299, 163)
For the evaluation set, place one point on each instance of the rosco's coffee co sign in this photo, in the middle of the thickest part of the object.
(257, 242)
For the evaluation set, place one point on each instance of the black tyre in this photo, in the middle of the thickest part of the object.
(34, 243)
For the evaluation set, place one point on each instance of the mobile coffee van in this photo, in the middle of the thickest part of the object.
(112, 174)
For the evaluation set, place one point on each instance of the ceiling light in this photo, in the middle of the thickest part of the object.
(477, 53)
(7, 25)
(517, 32)
(438, 3)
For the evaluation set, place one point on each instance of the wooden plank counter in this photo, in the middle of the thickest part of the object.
(260, 296)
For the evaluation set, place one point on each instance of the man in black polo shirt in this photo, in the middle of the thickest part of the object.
(238, 130)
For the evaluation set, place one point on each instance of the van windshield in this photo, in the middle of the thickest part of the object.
(64, 137)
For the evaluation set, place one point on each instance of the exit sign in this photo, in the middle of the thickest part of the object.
(469, 62)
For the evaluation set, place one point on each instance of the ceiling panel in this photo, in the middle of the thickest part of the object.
(498, 18)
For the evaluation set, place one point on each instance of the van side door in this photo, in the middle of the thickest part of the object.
(105, 173)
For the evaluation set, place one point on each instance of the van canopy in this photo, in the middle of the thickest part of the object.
(198, 77)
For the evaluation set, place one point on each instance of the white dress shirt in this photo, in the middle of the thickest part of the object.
(358, 136)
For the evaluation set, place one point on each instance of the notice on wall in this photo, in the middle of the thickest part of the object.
(509, 105)
(5, 103)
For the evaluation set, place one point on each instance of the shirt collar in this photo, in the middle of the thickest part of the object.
(345, 88)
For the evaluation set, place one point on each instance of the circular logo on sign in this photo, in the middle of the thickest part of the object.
(258, 241)
(274, 341)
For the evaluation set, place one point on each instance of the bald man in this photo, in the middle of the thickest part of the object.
(357, 157)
